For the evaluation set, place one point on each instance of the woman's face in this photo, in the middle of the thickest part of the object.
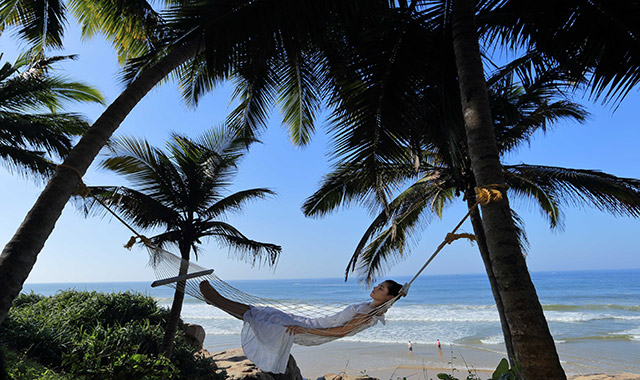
(381, 293)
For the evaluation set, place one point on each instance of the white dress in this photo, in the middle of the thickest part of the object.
(267, 344)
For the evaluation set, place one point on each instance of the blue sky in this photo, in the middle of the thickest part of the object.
(90, 249)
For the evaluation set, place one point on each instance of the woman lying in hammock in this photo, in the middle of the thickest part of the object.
(269, 333)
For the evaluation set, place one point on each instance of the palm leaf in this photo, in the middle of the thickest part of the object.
(140, 209)
(41, 22)
(526, 186)
(299, 95)
(598, 37)
(130, 25)
(411, 209)
(26, 162)
(235, 201)
(29, 86)
(577, 187)
(241, 247)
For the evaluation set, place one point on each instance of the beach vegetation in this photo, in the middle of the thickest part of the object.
(17, 366)
(90, 335)
(502, 372)
(183, 190)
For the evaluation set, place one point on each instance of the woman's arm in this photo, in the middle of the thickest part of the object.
(338, 331)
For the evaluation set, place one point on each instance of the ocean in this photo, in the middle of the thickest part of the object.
(594, 316)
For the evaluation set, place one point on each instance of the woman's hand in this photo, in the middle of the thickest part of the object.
(292, 330)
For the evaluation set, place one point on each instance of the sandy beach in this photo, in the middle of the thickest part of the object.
(393, 360)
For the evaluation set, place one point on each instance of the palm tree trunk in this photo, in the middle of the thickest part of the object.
(20, 254)
(176, 306)
(532, 342)
(481, 239)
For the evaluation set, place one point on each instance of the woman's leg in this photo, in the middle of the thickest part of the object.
(236, 309)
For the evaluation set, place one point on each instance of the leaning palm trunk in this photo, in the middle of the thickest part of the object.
(481, 240)
(20, 254)
(176, 306)
(532, 342)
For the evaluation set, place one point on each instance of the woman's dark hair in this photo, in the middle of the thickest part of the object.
(394, 287)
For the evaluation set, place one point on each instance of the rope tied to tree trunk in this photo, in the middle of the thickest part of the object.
(143, 239)
(490, 193)
(451, 237)
(484, 196)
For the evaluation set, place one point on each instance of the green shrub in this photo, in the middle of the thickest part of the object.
(100, 336)
(21, 368)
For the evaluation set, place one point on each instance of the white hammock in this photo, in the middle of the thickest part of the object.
(166, 265)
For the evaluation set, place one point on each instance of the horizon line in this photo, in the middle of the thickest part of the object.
(333, 278)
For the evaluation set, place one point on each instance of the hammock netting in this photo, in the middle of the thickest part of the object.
(166, 265)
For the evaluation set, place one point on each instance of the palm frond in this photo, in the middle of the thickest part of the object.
(299, 97)
(195, 79)
(130, 25)
(148, 168)
(30, 86)
(255, 94)
(136, 207)
(578, 187)
(241, 247)
(40, 23)
(597, 37)
(521, 231)
(26, 162)
(411, 209)
(235, 201)
(355, 183)
(51, 133)
(526, 186)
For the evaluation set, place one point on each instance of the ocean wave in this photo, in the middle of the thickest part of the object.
(420, 313)
(563, 307)
(473, 314)
(444, 313)
(456, 323)
(613, 336)
(576, 317)
(633, 334)
(495, 339)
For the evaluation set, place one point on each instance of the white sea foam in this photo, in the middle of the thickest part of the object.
(494, 339)
(444, 313)
(632, 334)
(574, 316)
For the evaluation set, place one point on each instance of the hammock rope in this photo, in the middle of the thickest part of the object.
(166, 265)
(484, 196)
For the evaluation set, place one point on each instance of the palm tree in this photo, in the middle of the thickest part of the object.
(250, 52)
(181, 190)
(31, 139)
(443, 171)
(319, 28)
(42, 24)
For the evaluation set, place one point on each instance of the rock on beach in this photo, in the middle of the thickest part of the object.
(239, 367)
